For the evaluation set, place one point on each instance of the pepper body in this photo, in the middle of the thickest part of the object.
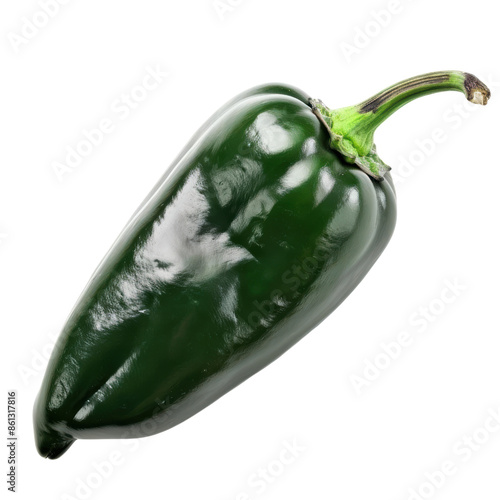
(258, 232)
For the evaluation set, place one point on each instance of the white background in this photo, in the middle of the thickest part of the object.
(377, 444)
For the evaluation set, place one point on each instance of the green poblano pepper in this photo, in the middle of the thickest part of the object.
(266, 221)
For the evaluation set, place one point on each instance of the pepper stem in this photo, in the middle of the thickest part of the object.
(351, 129)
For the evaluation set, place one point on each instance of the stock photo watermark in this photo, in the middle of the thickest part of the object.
(128, 442)
(33, 368)
(121, 109)
(100, 471)
(292, 279)
(224, 7)
(419, 322)
(31, 26)
(462, 451)
(452, 119)
(366, 33)
(262, 478)
(12, 437)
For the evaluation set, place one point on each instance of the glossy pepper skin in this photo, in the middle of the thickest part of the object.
(254, 236)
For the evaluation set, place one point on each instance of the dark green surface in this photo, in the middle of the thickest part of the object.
(253, 237)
